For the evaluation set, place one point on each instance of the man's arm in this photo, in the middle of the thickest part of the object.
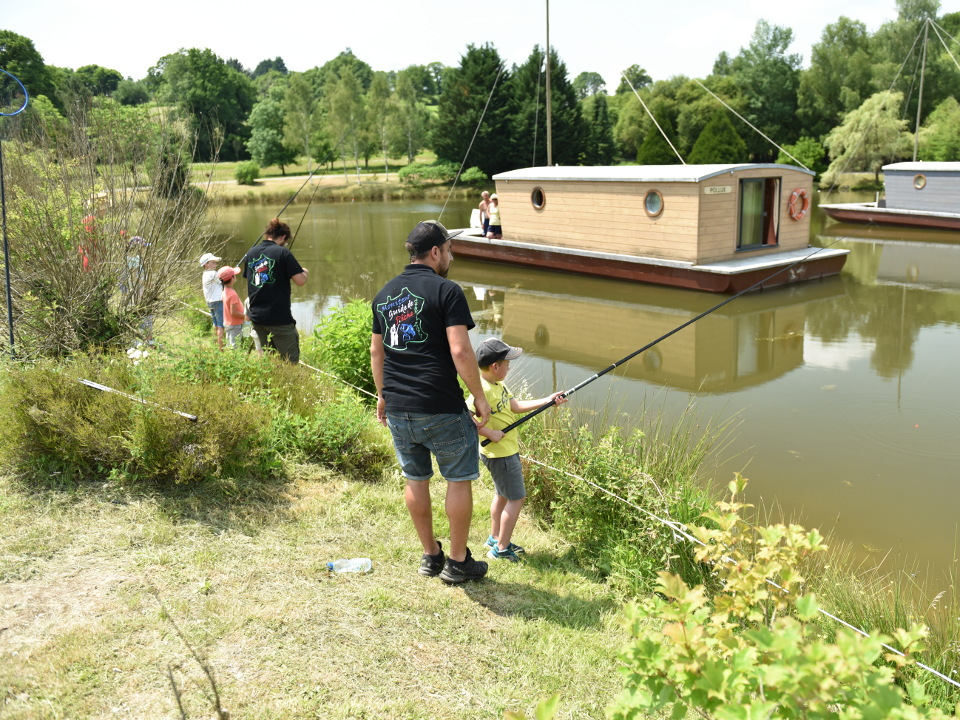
(377, 355)
(465, 360)
(300, 278)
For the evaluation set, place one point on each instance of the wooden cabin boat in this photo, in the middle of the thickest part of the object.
(918, 194)
(720, 228)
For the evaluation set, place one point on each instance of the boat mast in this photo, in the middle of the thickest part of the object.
(549, 129)
(923, 67)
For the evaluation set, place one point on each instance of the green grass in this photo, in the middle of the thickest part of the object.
(95, 578)
(225, 170)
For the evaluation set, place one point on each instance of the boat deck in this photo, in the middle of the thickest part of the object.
(726, 277)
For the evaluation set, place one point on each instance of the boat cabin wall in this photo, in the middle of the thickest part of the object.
(926, 191)
(722, 216)
(698, 222)
(604, 217)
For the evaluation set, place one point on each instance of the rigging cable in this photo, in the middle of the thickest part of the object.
(754, 127)
(675, 151)
(469, 147)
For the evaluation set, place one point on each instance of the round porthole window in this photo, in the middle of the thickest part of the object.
(537, 198)
(653, 203)
(919, 181)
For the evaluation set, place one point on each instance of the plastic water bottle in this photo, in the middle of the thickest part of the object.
(353, 565)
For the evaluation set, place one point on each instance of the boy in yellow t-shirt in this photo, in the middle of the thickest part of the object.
(502, 455)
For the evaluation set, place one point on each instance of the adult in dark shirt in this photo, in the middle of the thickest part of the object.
(269, 267)
(419, 346)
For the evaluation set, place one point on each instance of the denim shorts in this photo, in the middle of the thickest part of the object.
(507, 474)
(216, 311)
(451, 438)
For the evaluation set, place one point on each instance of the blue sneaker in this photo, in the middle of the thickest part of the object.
(496, 553)
(492, 543)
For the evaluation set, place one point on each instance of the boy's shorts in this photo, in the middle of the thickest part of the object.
(507, 474)
(216, 312)
(233, 333)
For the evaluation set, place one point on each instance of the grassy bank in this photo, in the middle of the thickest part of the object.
(96, 581)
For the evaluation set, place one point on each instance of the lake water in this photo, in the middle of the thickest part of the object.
(843, 391)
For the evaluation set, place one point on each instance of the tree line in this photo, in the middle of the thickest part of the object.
(850, 110)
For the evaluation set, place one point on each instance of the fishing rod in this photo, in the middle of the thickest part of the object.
(621, 361)
(104, 388)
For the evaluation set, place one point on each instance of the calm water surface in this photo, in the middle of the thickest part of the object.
(843, 391)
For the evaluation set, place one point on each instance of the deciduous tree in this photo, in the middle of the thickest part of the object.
(266, 144)
(589, 83)
(637, 76)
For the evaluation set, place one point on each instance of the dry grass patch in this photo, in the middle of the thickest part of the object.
(97, 604)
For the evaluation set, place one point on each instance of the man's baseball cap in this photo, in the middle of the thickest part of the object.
(428, 234)
(492, 351)
(207, 257)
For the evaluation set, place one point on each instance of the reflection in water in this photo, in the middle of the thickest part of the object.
(843, 390)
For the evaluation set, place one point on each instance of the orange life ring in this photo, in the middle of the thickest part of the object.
(799, 204)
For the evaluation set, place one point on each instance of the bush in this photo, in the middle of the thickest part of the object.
(439, 172)
(655, 470)
(342, 344)
(254, 414)
(247, 172)
(755, 649)
(474, 176)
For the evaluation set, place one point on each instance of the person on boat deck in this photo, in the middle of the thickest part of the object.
(485, 211)
(418, 347)
(213, 293)
(269, 267)
(495, 232)
(502, 455)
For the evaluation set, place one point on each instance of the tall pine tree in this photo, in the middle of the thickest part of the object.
(465, 92)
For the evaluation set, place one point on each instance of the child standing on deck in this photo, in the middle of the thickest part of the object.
(213, 293)
(502, 455)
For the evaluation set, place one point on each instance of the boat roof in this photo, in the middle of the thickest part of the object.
(637, 173)
(923, 167)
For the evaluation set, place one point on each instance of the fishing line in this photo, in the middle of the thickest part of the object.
(568, 393)
(317, 186)
(470, 146)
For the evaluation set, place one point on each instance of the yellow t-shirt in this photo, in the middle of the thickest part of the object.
(501, 415)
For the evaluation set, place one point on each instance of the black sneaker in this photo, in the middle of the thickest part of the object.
(457, 572)
(431, 565)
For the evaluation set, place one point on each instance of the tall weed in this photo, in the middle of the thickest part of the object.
(341, 344)
(653, 469)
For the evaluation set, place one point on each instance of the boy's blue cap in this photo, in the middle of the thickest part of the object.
(493, 350)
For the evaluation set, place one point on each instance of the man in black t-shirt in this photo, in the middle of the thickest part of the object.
(269, 267)
(419, 346)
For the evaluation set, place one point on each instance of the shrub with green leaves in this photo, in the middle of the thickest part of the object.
(439, 172)
(247, 172)
(755, 649)
(474, 176)
(654, 469)
(341, 344)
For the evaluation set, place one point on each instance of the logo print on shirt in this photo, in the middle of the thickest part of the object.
(401, 319)
(263, 271)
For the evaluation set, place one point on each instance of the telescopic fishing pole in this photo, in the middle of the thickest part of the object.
(8, 112)
(621, 361)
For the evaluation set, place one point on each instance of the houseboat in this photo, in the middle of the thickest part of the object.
(721, 228)
(918, 194)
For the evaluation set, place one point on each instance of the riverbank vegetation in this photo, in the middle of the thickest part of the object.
(164, 546)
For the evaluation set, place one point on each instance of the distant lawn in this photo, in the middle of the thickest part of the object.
(226, 170)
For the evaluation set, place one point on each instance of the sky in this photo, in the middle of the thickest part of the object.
(676, 37)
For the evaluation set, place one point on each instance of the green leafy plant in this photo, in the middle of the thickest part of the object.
(341, 344)
(247, 172)
(754, 649)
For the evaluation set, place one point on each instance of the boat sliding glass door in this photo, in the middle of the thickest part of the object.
(759, 200)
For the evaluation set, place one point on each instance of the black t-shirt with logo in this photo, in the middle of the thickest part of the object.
(412, 313)
(268, 268)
